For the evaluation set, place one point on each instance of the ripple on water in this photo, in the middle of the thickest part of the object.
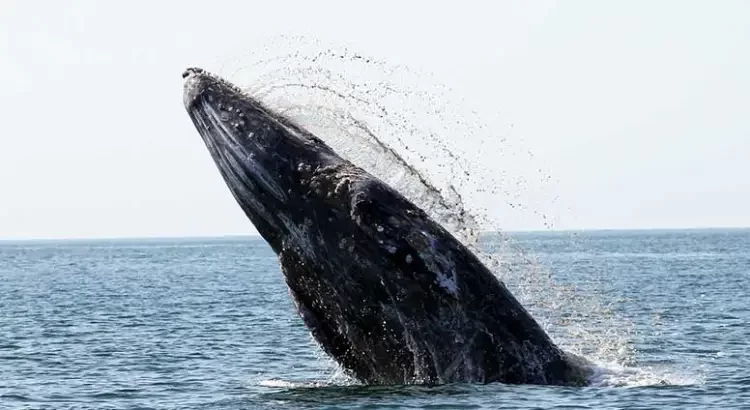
(187, 324)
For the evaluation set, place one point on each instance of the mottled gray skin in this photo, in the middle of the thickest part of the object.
(385, 290)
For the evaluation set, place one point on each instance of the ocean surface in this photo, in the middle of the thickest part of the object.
(208, 324)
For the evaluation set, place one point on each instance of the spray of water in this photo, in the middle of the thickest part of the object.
(412, 134)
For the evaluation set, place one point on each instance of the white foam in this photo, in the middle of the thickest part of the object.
(617, 375)
(278, 384)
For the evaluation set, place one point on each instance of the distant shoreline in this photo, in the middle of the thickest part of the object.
(239, 237)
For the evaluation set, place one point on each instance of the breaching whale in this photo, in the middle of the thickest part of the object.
(385, 290)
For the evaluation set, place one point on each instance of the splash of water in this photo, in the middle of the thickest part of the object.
(413, 134)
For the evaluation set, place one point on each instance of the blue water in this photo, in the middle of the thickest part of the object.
(188, 324)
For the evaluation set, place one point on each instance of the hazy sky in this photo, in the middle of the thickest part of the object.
(640, 109)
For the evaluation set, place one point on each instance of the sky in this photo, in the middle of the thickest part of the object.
(639, 110)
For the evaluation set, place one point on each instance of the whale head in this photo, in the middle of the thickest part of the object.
(265, 159)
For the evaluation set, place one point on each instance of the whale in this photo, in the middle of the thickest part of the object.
(386, 291)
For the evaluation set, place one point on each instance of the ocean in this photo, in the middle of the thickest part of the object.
(209, 324)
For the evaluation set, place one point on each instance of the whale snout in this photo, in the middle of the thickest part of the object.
(199, 82)
(192, 71)
(192, 87)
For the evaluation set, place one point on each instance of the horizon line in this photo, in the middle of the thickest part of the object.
(256, 235)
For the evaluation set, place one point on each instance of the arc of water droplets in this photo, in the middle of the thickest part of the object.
(380, 125)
